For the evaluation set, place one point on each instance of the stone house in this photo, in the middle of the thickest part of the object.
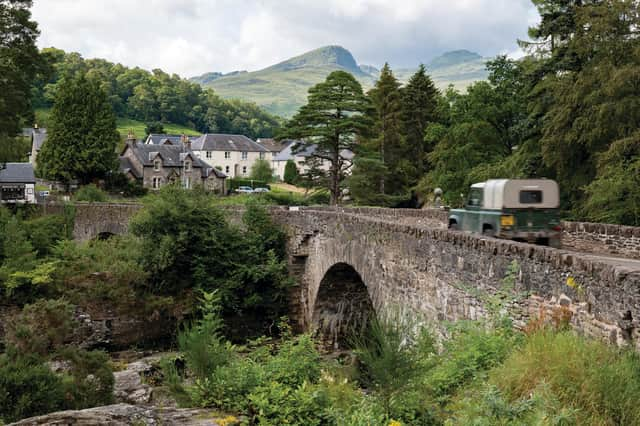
(17, 183)
(158, 165)
(233, 154)
(166, 139)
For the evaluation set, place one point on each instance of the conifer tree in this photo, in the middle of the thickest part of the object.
(290, 172)
(82, 134)
(420, 105)
(332, 119)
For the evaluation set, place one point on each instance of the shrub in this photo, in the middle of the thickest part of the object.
(261, 171)
(91, 193)
(28, 388)
(91, 378)
(42, 327)
(290, 173)
(46, 231)
(278, 404)
(286, 198)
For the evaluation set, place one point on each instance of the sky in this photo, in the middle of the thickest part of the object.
(191, 37)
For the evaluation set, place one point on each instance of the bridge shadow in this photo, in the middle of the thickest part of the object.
(343, 307)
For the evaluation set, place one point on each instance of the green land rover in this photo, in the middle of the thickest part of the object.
(516, 209)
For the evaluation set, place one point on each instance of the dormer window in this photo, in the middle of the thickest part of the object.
(187, 165)
(157, 164)
(244, 155)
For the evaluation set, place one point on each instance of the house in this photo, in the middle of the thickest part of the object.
(300, 157)
(274, 147)
(158, 165)
(38, 136)
(234, 154)
(17, 183)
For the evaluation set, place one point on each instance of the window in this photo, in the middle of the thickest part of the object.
(187, 166)
(12, 193)
(157, 163)
(530, 197)
(227, 155)
(273, 154)
(157, 182)
(244, 155)
(226, 170)
(262, 155)
(187, 183)
(475, 197)
(244, 170)
(208, 154)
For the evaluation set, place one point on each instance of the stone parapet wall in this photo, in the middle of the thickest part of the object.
(601, 238)
(94, 219)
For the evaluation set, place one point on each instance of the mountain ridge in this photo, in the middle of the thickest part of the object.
(282, 88)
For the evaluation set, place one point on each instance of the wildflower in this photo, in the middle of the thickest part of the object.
(395, 423)
(571, 282)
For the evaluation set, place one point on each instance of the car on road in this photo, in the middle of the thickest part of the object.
(261, 190)
(244, 190)
(516, 209)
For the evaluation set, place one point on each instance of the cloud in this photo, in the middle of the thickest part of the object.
(190, 37)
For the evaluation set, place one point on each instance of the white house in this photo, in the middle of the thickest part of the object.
(300, 157)
(17, 183)
(233, 154)
(275, 148)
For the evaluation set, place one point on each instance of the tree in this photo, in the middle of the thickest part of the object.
(386, 98)
(420, 106)
(334, 116)
(82, 136)
(290, 172)
(19, 60)
(261, 170)
(154, 127)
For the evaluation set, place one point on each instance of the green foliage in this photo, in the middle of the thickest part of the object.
(27, 334)
(277, 404)
(138, 97)
(335, 114)
(19, 64)
(234, 183)
(28, 388)
(154, 127)
(90, 378)
(82, 136)
(14, 149)
(261, 170)
(290, 172)
(91, 193)
(46, 231)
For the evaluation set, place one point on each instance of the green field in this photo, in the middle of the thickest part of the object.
(124, 125)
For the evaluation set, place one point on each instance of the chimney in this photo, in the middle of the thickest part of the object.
(186, 142)
(131, 137)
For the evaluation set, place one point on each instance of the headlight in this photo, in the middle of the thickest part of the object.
(507, 220)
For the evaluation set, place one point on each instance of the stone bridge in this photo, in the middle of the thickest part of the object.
(348, 262)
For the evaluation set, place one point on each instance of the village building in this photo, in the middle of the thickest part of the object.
(166, 139)
(301, 156)
(155, 166)
(274, 147)
(233, 154)
(17, 183)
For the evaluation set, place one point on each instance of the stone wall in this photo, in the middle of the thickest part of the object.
(602, 238)
(94, 219)
(437, 274)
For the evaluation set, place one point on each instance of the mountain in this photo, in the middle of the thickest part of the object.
(282, 88)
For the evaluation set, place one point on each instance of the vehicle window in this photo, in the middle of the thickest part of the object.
(475, 198)
(530, 197)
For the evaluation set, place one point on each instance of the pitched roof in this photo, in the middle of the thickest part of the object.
(294, 149)
(223, 142)
(273, 145)
(17, 173)
(127, 167)
(162, 139)
(172, 156)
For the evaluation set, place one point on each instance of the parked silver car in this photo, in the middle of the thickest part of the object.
(244, 190)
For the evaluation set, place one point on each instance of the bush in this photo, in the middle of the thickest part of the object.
(291, 174)
(46, 231)
(91, 193)
(90, 381)
(42, 327)
(28, 388)
(261, 171)
(286, 198)
(278, 404)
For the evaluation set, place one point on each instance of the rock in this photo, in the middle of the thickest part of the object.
(124, 415)
(128, 387)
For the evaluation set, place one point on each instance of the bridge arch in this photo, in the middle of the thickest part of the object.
(342, 306)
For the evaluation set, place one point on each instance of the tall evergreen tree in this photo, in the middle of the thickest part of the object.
(18, 63)
(334, 116)
(82, 136)
(386, 99)
(420, 106)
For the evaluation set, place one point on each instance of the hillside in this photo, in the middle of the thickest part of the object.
(282, 88)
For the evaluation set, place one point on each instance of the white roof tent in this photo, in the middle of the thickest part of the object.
(501, 194)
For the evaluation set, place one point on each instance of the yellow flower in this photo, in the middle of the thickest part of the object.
(571, 282)
(395, 423)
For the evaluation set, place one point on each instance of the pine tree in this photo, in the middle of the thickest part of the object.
(335, 114)
(290, 172)
(82, 134)
(420, 105)
(386, 99)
